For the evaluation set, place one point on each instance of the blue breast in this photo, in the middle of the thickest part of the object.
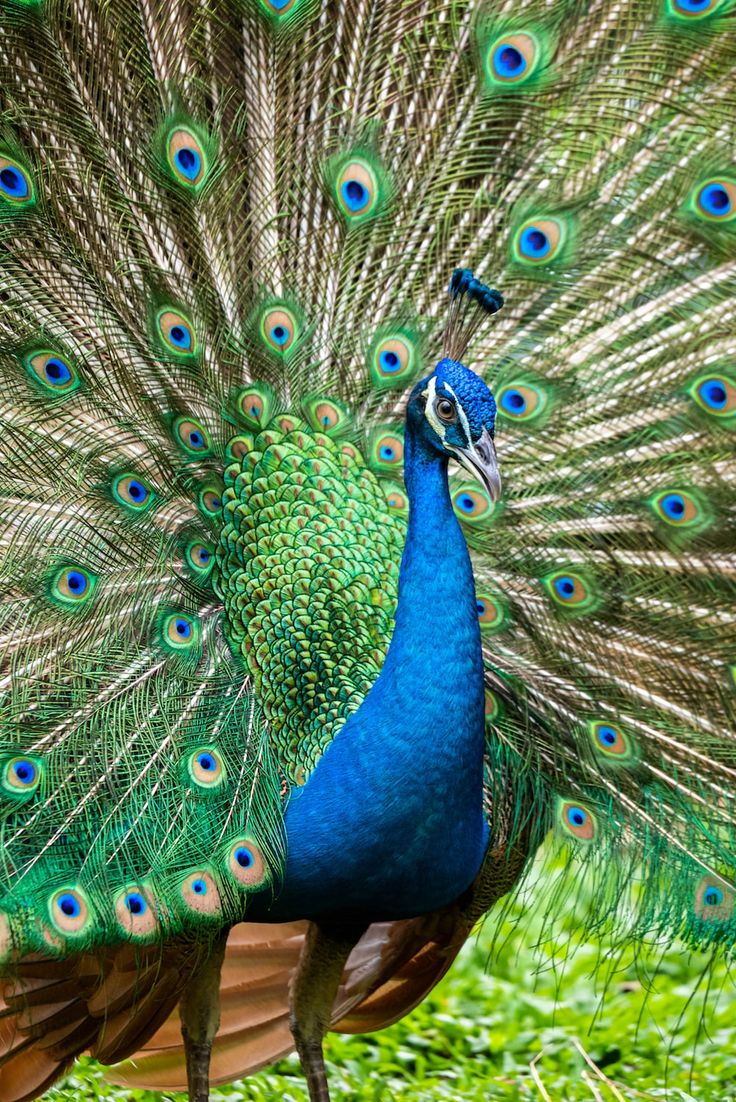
(391, 823)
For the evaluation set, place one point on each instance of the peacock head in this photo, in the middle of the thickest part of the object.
(453, 413)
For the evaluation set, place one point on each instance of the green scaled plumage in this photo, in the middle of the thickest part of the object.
(204, 364)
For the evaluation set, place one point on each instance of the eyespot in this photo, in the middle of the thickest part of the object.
(692, 9)
(186, 158)
(279, 7)
(577, 820)
(288, 424)
(245, 863)
(716, 394)
(513, 59)
(200, 556)
(325, 415)
(21, 776)
(521, 401)
(715, 200)
(136, 914)
(492, 706)
(180, 631)
(255, 404)
(191, 435)
(569, 590)
(714, 900)
(492, 612)
(538, 241)
(396, 498)
(206, 768)
(55, 373)
(472, 505)
(357, 190)
(70, 912)
(16, 186)
(210, 502)
(200, 893)
(678, 508)
(133, 492)
(279, 329)
(393, 360)
(177, 332)
(611, 741)
(73, 585)
(386, 450)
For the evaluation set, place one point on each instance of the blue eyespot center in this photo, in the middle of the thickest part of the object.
(712, 897)
(203, 556)
(137, 490)
(564, 587)
(279, 334)
(69, 905)
(390, 362)
(180, 336)
(199, 887)
(355, 194)
(57, 372)
(135, 903)
(466, 503)
(206, 762)
(534, 243)
(693, 5)
(576, 816)
(607, 736)
(182, 628)
(13, 183)
(513, 401)
(77, 582)
(713, 393)
(244, 857)
(673, 506)
(188, 161)
(508, 61)
(481, 607)
(25, 771)
(387, 452)
(196, 439)
(715, 199)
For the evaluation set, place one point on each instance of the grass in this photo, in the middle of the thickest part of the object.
(661, 1025)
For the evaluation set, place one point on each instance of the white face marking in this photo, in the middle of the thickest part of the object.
(439, 427)
(430, 394)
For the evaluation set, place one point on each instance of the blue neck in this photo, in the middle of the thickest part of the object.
(436, 617)
(390, 822)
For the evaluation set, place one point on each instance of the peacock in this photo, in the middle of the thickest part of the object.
(292, 690)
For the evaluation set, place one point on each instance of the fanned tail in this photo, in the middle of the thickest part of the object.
(237, 219)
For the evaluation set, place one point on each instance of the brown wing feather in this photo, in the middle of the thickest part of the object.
(121, 1004)
(391, 970)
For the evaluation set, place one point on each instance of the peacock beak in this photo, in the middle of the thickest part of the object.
(480, 459)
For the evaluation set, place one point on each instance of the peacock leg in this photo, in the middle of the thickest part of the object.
(199, 1010)
(327, 946)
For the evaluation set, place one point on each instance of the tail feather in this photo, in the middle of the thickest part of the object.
(606, 578)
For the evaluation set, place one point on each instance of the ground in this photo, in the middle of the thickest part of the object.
(512, 1023)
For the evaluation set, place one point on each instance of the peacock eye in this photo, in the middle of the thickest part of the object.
(445, 410)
